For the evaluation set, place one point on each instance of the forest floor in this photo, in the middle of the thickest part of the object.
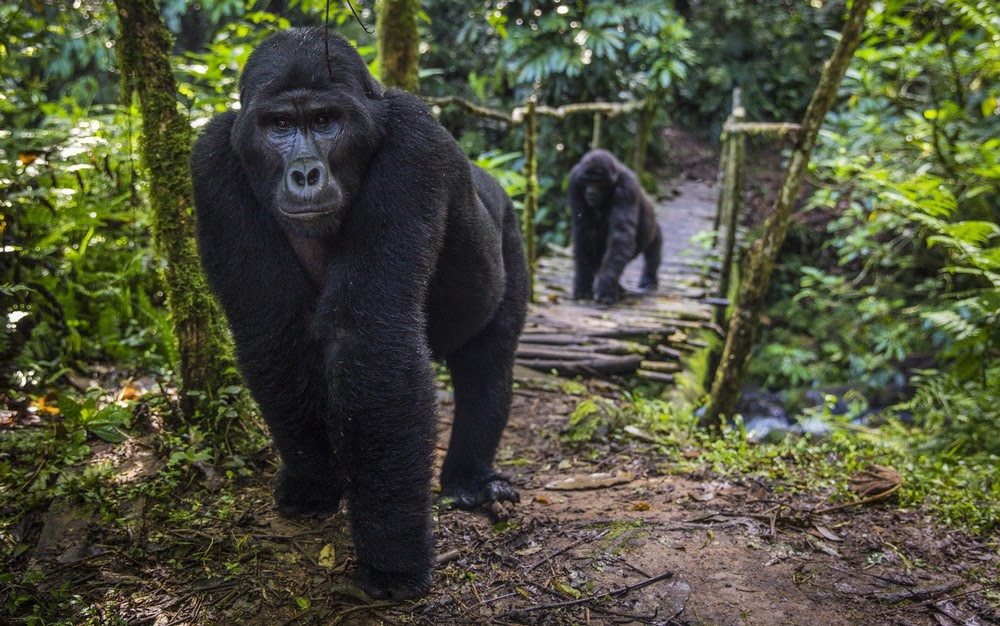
(620, 530)
(607, 533)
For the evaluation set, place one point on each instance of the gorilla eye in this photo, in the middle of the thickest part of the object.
(322, 120)
(282, 123)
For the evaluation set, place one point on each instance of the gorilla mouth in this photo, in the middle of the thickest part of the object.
(314, 206)
(305, 213)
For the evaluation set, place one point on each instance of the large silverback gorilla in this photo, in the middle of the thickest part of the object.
(350, 242)
(613, 222)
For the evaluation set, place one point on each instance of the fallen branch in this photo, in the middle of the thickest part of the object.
(593, 598)
(926, 593)
(868, 500)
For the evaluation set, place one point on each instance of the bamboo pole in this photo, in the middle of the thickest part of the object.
(735, 145)
(725, 179)
(764, 251)
(595, 141)
(531, 192)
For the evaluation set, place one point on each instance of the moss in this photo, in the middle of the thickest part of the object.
(398, 44)
(206, 362)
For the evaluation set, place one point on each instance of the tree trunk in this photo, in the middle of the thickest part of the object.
(763, 252)
(398, 43)
(144, 55)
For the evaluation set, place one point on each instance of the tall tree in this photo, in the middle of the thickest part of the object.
(206, 362)
(398, 43)
(764, 251)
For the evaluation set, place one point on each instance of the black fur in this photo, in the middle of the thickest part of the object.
(350, 242)
(613, 222)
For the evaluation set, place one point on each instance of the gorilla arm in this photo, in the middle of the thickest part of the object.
(372, 319)
(623, 223)
(586, 244)
(267, 298)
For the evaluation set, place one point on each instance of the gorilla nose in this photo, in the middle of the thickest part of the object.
(305, 177)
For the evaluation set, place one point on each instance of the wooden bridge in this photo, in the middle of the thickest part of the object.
(645, 334)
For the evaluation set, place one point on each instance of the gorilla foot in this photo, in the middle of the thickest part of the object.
(394, 586)
(298, 497)
(495, 488)
(648, 284)
(607, 290)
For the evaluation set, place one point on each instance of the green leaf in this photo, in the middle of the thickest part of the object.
(106, 431)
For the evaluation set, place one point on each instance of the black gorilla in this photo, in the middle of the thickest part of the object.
(350, 242)
(613, 221)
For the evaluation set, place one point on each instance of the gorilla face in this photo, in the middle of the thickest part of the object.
(598, 180)
(303, 132)
(305, 137)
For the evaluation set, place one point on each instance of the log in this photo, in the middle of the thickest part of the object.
(667, 367)
(599, 365)
(655, 376)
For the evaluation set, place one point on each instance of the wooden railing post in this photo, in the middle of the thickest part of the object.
(531, 191)
(731, 195)
(595, 141)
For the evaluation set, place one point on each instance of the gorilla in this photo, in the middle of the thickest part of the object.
(613, 221)
(351, 242)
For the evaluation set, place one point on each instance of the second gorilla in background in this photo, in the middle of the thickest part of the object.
(613, 222)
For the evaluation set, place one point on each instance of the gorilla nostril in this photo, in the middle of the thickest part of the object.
(312, 177)
(298, 178)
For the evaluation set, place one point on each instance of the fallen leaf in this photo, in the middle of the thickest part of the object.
(826, 533)
(599, 480)
(640, 434)
(824, 548)
(875, 480)
(327, 556)
(566, 589)
(43, 407)
(641, 506)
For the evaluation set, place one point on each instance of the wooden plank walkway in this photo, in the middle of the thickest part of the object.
(645, 334)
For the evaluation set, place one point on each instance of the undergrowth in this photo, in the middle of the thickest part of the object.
(956, 485)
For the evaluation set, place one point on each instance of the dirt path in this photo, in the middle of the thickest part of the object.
(671, 549)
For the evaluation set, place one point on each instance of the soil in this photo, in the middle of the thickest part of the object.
(657, 548)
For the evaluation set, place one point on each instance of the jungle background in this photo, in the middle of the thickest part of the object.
(880, 342)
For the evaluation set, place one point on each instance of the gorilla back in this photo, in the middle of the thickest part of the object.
(350, 241)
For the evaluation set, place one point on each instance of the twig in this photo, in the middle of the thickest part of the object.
(600, 596)
(917, 594)
(896, 581)
(339, 617)
(951, 597)
(448, 556)
(565, 549)
(868, 500)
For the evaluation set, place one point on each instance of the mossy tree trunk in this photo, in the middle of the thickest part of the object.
(206, 362)
(398, 43)
(764, 251)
